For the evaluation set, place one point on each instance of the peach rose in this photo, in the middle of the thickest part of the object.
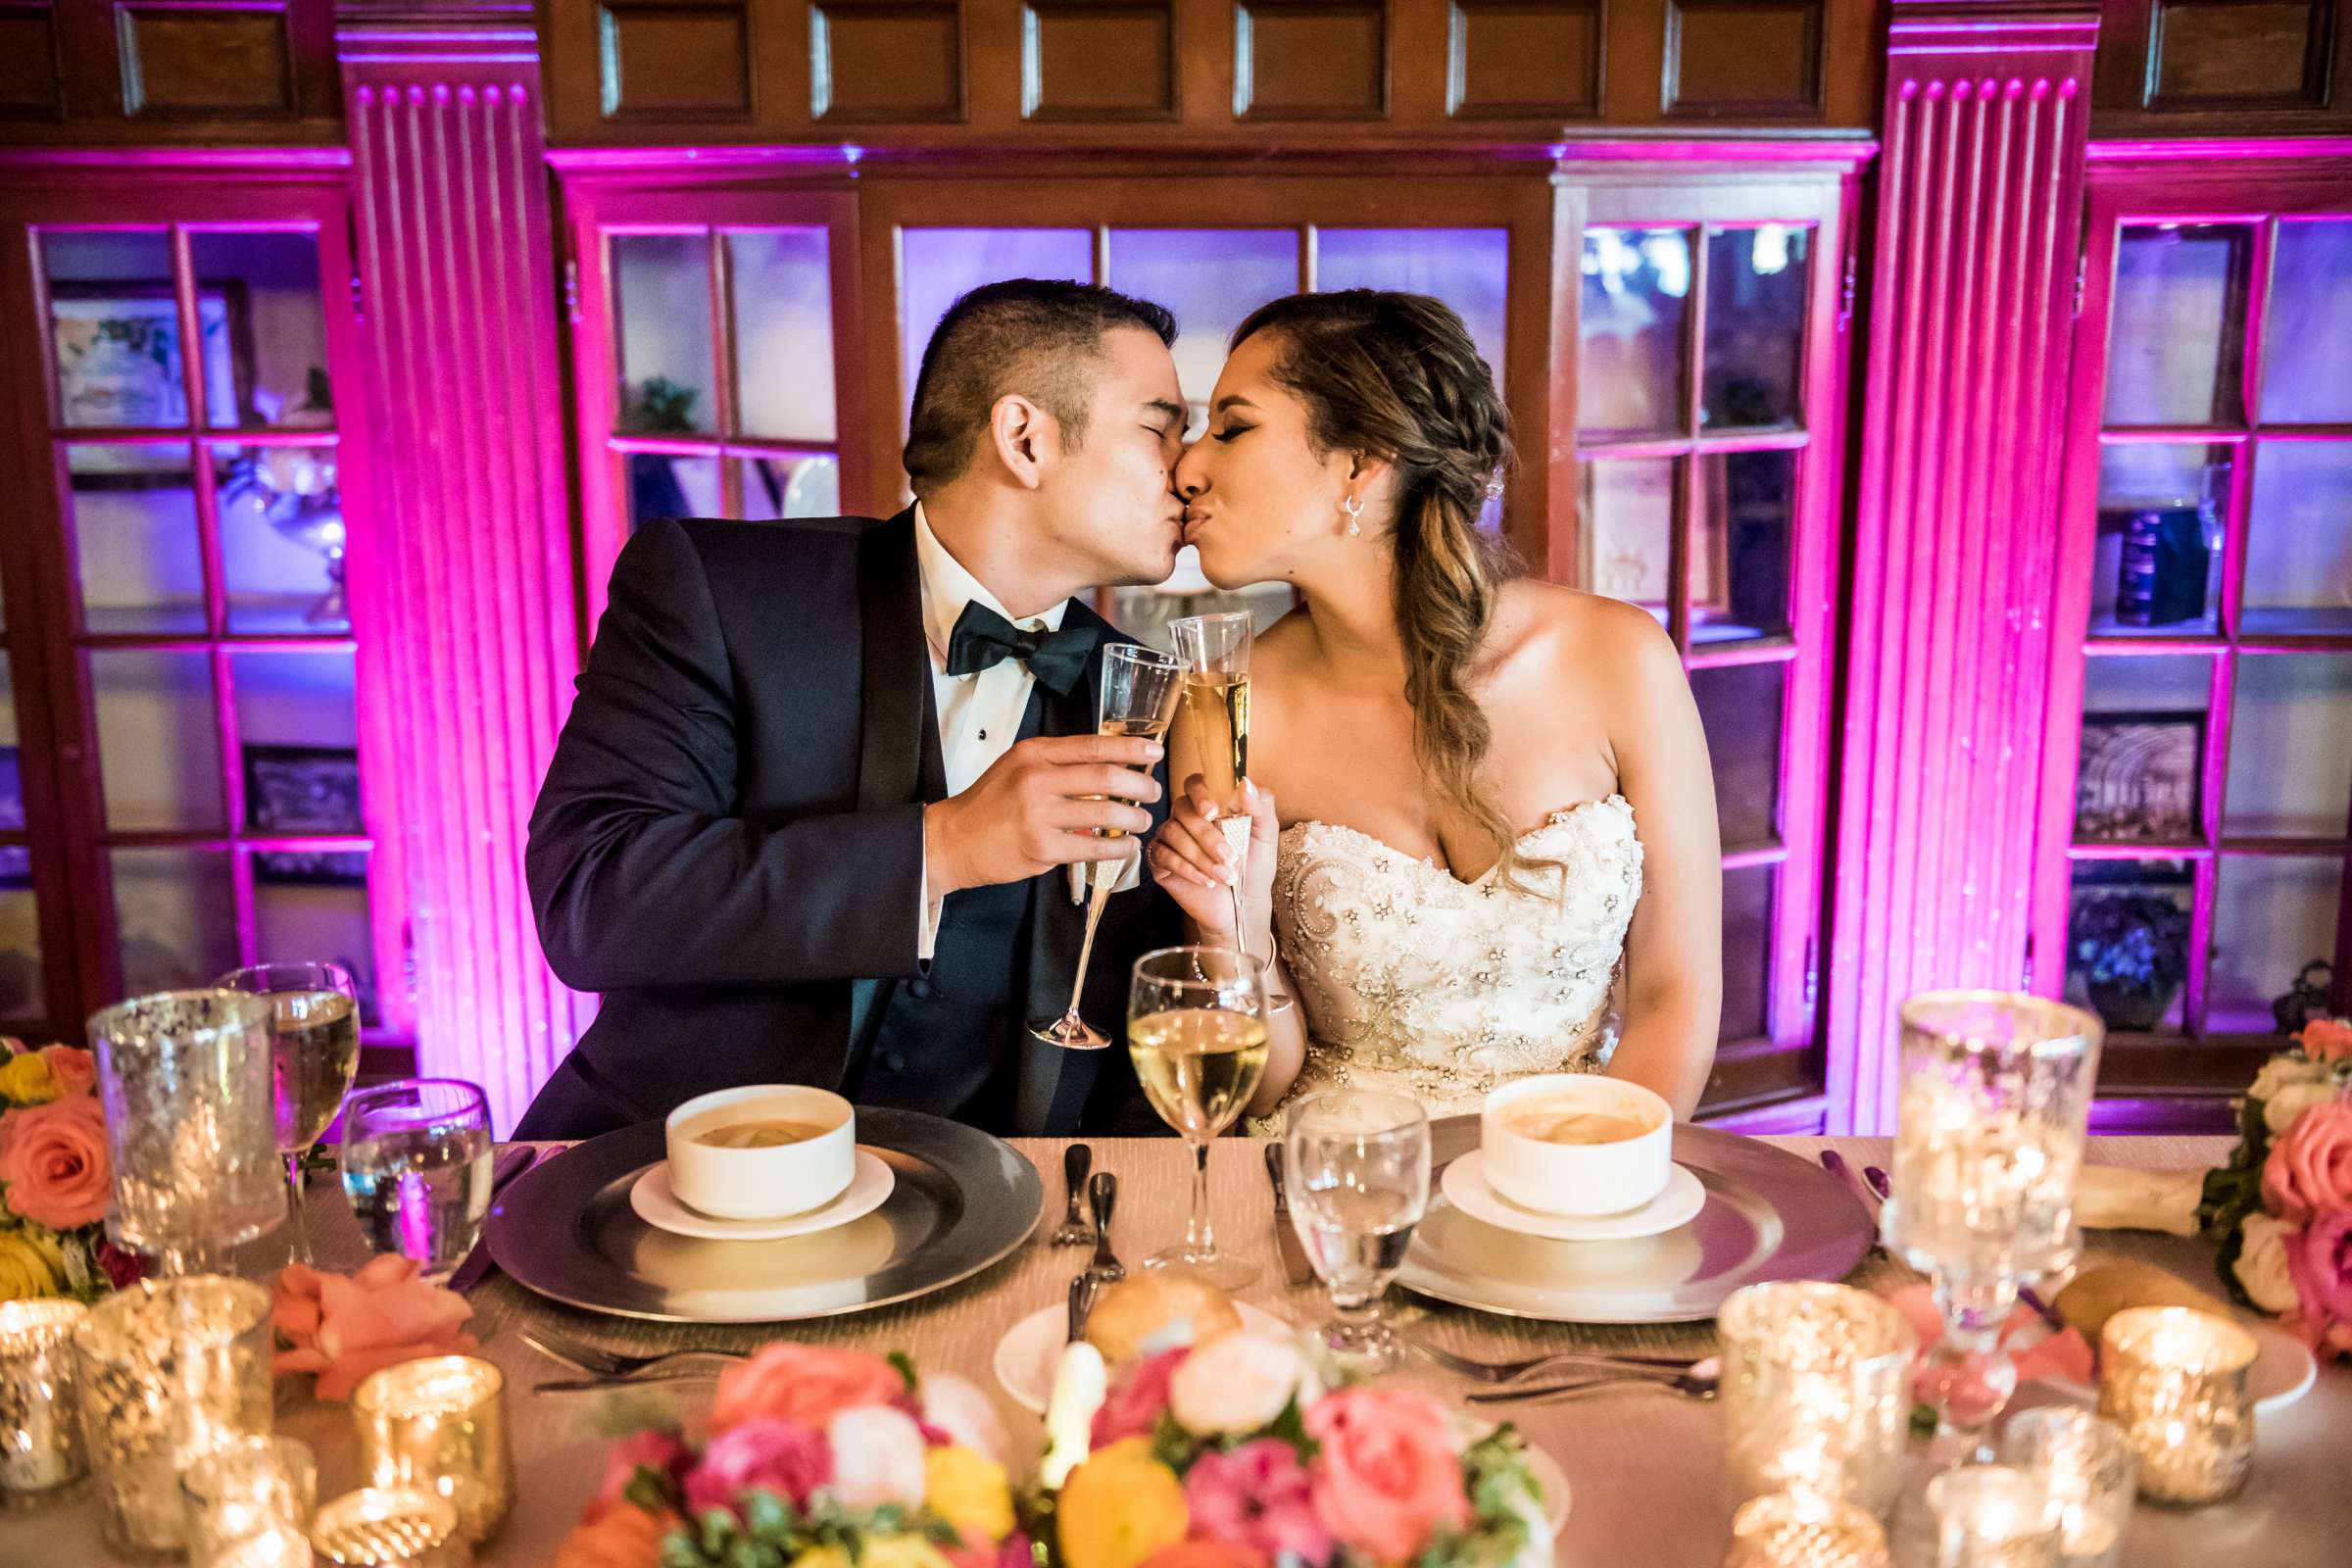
(73, 1067)
(344, 1329)
(626, 1536)
(1199, 1553)
(53, 1158)
(2327, 1039)
(1387, 1475)
(2309, 1168)
(804, 1383)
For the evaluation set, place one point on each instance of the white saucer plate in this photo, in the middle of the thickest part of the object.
(1466, 1188)
(1032, 1347)
(869, 1188)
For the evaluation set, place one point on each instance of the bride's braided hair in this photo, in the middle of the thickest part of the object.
(1396, 376)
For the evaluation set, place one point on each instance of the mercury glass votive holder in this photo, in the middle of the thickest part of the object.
(279, 1546)
(169, 1370)
(1994, 1516)
(1816, 1392)
(2089, 1469)
(1803, 1530)
(439, 1425)
(41, 1438)
(395, 1526)
(2175, 1380)
(248, 1487)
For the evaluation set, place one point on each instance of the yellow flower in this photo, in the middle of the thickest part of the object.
(901, 1551)
(1119, 1508)
(28, 1080)
(29, 1266)
(970, 1492)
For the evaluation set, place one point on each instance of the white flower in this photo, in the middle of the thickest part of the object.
(1235, 1383)
(2283, 1070)
(1080, 1384)
(2278, 1112)
(878, 1458)
(957, 1406)
(2261, 1265)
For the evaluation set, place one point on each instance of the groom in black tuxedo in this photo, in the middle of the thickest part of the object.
(825, 797)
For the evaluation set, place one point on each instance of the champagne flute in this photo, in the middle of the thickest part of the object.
(416, 1163)
(1215, 651)
(1197, 1031)
(1137, 697)
(1356, 1171)
(314, 1050)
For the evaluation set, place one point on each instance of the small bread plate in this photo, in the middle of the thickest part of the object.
(656, 1204)
(1465, 1187)
(1031, 1349)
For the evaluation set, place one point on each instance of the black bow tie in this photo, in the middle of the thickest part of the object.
(984, 639)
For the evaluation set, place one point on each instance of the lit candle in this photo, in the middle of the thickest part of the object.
(2175, 1380)
(1815, 1391)
(1801, 1530)
(1993, 1516)
(2089, 1469)
(277, 1547)
(248, 1487)
(439, 1425)
(389, 1527)
(41, 1448)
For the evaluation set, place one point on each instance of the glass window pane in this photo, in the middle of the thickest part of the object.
(1629, 356)
(281, 539)
(159, 740)
(1627, 524)
(791, 487)
(2290, 747)
(2299, 538)
(663, 487)
(1211, 278)
(2177, 340)
(2126, 942)
(2271, 916)
(937, 267)
(1469, 269)
(16, 860)
(136, 545)
(1751, 371)
(2307, 325)
(2156, 565)
(661, 297)
(174, 916)
(314, 906)
(782, 283)
(299, 728)
(2143, 746)
(21, 1000)
(274, 347)
(116, 327)
(1746, 949)
(1740, 707)
(1739, 546)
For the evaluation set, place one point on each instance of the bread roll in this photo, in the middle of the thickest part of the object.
(2103, 1290)
(1148, 1313)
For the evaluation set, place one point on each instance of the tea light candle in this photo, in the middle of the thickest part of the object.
(389, 1527)
(40, 1446)
(1993, 1516)
(2175, 1380)
(439, 1425)
(1815, 1392)
(276, 1548)
(2088, 1468)
(249, 1486)
(1800, 1530)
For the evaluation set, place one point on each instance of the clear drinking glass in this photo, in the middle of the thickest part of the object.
(250, 1485)
(1993, 1516)
(1138, 699)
(1816, 1392)
(2087, 1464)
(1994, 1106)
(314, 1030)
(415, 1162)
(183, 1077)
(1196, 1031)
(1357, 1169)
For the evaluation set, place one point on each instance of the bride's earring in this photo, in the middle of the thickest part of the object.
(1355, 511)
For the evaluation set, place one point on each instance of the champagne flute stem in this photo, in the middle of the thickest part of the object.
(1197, 1234)
(1099, 895)
(294, 1196)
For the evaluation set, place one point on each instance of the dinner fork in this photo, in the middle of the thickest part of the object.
(1076, 1162)
(1698, 1383)
(603, 1363)
(1479, 1371)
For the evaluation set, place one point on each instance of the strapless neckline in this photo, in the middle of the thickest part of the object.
(1310, 825)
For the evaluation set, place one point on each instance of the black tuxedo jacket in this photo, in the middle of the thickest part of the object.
(728, 844)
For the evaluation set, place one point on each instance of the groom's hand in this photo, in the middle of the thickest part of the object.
(1044, 803)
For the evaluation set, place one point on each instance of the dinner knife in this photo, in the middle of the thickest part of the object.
(510, 1164)
(1295, 1266)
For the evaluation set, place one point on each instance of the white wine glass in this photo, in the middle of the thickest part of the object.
(314, 1052)
(415, 1162)
(1197, 1031)
(1356, 1170)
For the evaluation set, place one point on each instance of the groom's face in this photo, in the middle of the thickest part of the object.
(1111, 504)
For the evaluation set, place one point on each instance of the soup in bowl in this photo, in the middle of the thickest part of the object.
(764, 1151)
(1576, 1143)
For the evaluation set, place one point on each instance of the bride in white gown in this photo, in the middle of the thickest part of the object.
(1496, 850)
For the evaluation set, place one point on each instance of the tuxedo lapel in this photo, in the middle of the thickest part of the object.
(895, 729)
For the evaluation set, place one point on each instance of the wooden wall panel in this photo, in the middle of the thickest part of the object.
(1311, 59)
(154, 72)
(229, 62)
(2224, 68)
(1734, 58)
(32, 83)
(1082, 61)
(886, 62)
(1513, 60)
(683, 62)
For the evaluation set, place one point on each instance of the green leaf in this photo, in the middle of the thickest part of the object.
(769, 1516)
(906, 1365)
(651, 1489)
(1291, 1428)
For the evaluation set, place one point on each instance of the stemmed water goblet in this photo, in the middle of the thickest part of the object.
(1356, 1165)
(415, 1162)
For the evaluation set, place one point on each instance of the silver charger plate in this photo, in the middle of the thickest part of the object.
(963, 1201)
(1769, 1215)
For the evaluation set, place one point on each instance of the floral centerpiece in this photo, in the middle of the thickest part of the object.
(816, 1458)
(1239, 1454)
(54, 1178)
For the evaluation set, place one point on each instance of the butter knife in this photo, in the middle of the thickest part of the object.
(1295, 1266)
(510, 1164)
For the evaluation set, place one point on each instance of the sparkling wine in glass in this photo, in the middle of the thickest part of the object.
(415, 1164)
(1215, 651)
(313, 1051)
(1197, 1031)
(1357, 1169)
(1138, 700)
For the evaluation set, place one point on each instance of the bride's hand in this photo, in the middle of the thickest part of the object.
(1192, 859)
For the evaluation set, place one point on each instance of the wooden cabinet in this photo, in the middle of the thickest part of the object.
(2223, 68)
(158, 71)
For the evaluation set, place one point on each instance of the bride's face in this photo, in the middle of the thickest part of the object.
(1260, 499)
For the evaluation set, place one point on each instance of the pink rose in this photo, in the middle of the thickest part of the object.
(1016, 1552)
(2309, 1168)
(804, 1383)
(1387, 1475)
(72, 1068)
(1257, 1496)
(2327, 1039)
(1131, 1408)
(1201, 1553)
(53, 1160)
(651, 1449)
(2319, 1261)
(344, 1329)
(786, 1457)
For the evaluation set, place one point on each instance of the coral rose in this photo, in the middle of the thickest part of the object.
(344, 1329)
(1388, 1476)
(53, 1160)
(1119, 1508)
(74, 1069)
(619, 1538)
(804, 1383)
(2327, 1039)
(2309, 1168)
(1198, 1552)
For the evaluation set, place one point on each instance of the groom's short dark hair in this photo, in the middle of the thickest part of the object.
(1039, 337)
